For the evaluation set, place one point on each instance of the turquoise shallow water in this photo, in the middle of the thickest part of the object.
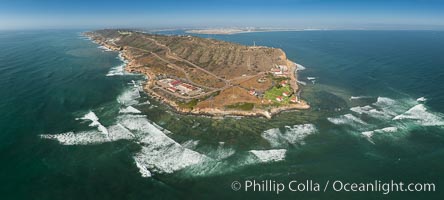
(50, 79)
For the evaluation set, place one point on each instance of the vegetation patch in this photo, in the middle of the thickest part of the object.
(190, 105)
(276, 92)
(279, 79)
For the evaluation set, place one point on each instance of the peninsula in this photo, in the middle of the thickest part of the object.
(208, 77)
(230, 31)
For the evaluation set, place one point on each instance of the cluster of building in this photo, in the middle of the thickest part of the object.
(283, 83)
(279, 70)
(253, 92)
(177, 86)
(125, 32)
(293, 99)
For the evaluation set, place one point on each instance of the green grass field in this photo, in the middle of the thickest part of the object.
(189, 105)
(274, 92)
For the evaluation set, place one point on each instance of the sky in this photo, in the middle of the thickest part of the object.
(298, 14)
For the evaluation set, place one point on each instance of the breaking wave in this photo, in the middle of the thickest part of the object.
(272, 155)
(392, 116)
(104, 48)
(421, 99)
(81, 138)
(299, 67)
(360, 97)
(129, 97)
(94, 122)
(129, 109)
(119, 70)
(144, 172)
(221, 152)
(289, 136)
(116, 132)
(144, 103)
(160, 153)
(384, 108)
(370, 134)
(348, 119)
(419, 115)
(402, 110)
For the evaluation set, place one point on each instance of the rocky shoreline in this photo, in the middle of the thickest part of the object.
(132, 67)
(214, 112)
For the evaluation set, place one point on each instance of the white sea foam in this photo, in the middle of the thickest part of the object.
(388, 106)
(370, 134)
(159, 152)
(384, 101)
(421, 99)
(104, 48)
(299, 67)
(224, 152)
(137, 123)
(84, 37)
(116, 132)
(221, 152)
(390, 129)
(118, 70)
(89, 116)
(373, 112)
(168, 157)
(362, 109)
(129, 97)
(311, 78)
(81, 138)
(94, 122)
(401, 112)
(142, 169)
(222, 166)
(347, 119)
(273, 155)
(121, 58)
(291, 135)
(383, 108)
(144, 103)
(359, 97)
(129, 109)
(301, 82)
(419, 115)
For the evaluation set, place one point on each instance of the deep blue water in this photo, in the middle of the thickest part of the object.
(49, 79)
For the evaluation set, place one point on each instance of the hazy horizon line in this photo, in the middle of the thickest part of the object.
(264, 28)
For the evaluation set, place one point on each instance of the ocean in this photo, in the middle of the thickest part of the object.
(74, 125)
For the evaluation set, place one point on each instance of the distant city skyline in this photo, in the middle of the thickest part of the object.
(298, 14)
